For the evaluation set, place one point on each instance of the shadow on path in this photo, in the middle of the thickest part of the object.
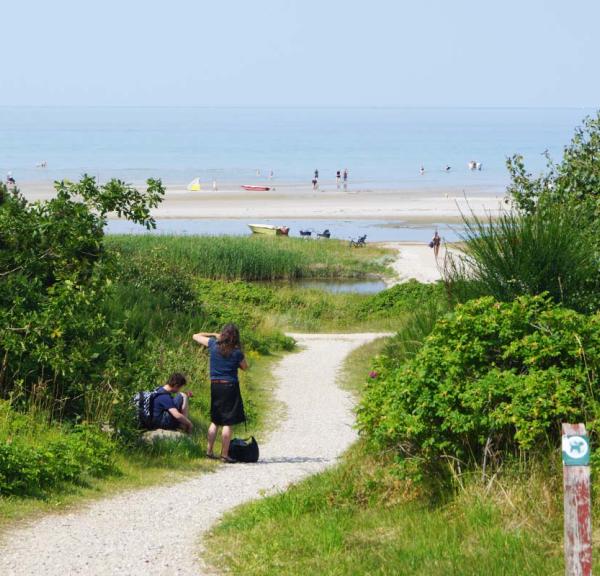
(291, 460)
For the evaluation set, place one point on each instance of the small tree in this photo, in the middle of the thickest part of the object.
(55, 341)
(575, 179)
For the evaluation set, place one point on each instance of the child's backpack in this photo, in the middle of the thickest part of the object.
(144, 405)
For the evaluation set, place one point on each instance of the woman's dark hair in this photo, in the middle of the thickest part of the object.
(176, 380)
(229, 339)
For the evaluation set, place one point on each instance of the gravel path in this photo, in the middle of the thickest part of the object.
(156, 531)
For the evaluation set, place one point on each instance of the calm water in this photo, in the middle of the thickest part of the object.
(376, 230)
(344, 286)
(380, 146)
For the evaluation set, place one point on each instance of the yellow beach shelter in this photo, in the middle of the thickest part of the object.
(194, 185)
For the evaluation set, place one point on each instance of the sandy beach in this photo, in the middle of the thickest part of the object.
(417, 205)
(415, 261)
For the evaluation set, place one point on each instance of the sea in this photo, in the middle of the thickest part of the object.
(380, 147)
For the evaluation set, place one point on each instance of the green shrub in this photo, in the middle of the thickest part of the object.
(418, 307)
(501, 374)
(575, 180)
(36, 457)
(416, 326)
(56, 344)
(400, 298)
(169, 281)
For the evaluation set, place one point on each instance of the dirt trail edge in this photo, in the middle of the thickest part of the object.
(157, 530)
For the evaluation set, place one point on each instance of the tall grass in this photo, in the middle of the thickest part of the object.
(256, 258)
(552, 250)
(415, 327)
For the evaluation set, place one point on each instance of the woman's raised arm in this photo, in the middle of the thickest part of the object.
(203, 337)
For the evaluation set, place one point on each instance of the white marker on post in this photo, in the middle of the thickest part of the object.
(577, 501)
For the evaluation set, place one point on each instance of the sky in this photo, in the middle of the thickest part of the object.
(300, 53)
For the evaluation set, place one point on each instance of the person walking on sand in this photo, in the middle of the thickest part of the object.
(345, 178)
(315, 184)
(435, 244)
(226, 405)
(316, 173)
(338, 178)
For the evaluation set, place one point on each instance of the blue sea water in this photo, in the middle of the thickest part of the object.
(380, 146)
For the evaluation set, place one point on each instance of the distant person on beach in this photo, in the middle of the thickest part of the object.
(435, 244)
(171, 407)
(338, 178)
(447, 168)
(271, 174)
(226, 405)
(316, 174)
(315, 184)
(345, 178)
(422, 170)
(10, 179)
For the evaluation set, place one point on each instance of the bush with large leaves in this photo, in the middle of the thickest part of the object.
(501, 375)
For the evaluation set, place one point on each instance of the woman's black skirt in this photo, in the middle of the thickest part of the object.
(226, 406)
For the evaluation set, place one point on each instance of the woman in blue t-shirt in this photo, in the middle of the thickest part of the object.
(226, 406)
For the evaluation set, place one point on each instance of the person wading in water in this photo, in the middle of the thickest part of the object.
(226, 406)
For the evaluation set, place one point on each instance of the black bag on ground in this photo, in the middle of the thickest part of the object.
(144, 405)
(244, 450)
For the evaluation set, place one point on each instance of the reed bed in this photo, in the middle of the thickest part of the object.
(256, 258)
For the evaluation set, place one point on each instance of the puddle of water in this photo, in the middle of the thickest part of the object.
(371, 286)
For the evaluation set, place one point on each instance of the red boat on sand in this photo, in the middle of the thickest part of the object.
(256, 188)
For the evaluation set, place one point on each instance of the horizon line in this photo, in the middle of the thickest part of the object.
(311, 107)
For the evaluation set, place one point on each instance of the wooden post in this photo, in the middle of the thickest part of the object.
(577, 502)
